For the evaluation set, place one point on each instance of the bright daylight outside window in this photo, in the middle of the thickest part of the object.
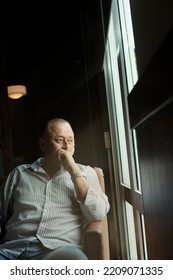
(120, 77)
(128, 43)
(130, 62)
(132, 77)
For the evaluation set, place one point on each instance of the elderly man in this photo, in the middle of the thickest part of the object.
(44, 205)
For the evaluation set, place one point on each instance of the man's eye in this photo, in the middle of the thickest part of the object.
(59, 140)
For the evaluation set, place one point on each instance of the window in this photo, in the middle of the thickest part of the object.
(120, 77)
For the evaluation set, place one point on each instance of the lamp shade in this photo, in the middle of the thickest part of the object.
(16, 91)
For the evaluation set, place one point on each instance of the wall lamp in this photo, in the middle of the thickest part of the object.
(16, 91)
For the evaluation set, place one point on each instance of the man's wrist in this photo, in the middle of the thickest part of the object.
(78, 175)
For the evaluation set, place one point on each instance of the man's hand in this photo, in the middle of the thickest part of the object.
(67, 161)
(81, 184)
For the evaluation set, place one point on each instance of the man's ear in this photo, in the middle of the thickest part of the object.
(42, 143)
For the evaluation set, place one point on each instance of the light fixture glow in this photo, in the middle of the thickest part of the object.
(16, 91)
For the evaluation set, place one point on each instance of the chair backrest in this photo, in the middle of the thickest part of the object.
(100, 176)
(106, 250)
(96, 237)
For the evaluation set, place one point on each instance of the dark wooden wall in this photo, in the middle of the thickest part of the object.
(151, 113)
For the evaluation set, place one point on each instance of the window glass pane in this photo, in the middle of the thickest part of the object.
(138, 179)
(125, 178)
(144, 237)
(128, 43)
(131, 232)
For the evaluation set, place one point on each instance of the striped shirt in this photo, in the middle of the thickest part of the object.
(33, 205)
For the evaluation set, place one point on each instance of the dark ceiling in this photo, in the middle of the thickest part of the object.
(43, 44)
(53, 48)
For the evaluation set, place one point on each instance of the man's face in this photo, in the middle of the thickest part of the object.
(59, 136)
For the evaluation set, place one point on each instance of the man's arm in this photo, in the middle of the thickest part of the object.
(80, 183)
(93, 201)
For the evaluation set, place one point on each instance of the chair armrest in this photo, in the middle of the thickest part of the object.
(95, 241)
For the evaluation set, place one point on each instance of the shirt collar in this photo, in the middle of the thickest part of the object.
(36, 164)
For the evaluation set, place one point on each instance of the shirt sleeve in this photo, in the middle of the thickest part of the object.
(96, 205)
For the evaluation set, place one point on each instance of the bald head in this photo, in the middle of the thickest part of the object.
(50, 124)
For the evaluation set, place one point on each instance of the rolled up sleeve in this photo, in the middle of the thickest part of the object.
(96, 204)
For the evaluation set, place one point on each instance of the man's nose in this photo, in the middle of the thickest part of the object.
(65, 144)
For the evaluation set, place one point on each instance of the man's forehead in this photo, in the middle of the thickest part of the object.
(61, 128)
